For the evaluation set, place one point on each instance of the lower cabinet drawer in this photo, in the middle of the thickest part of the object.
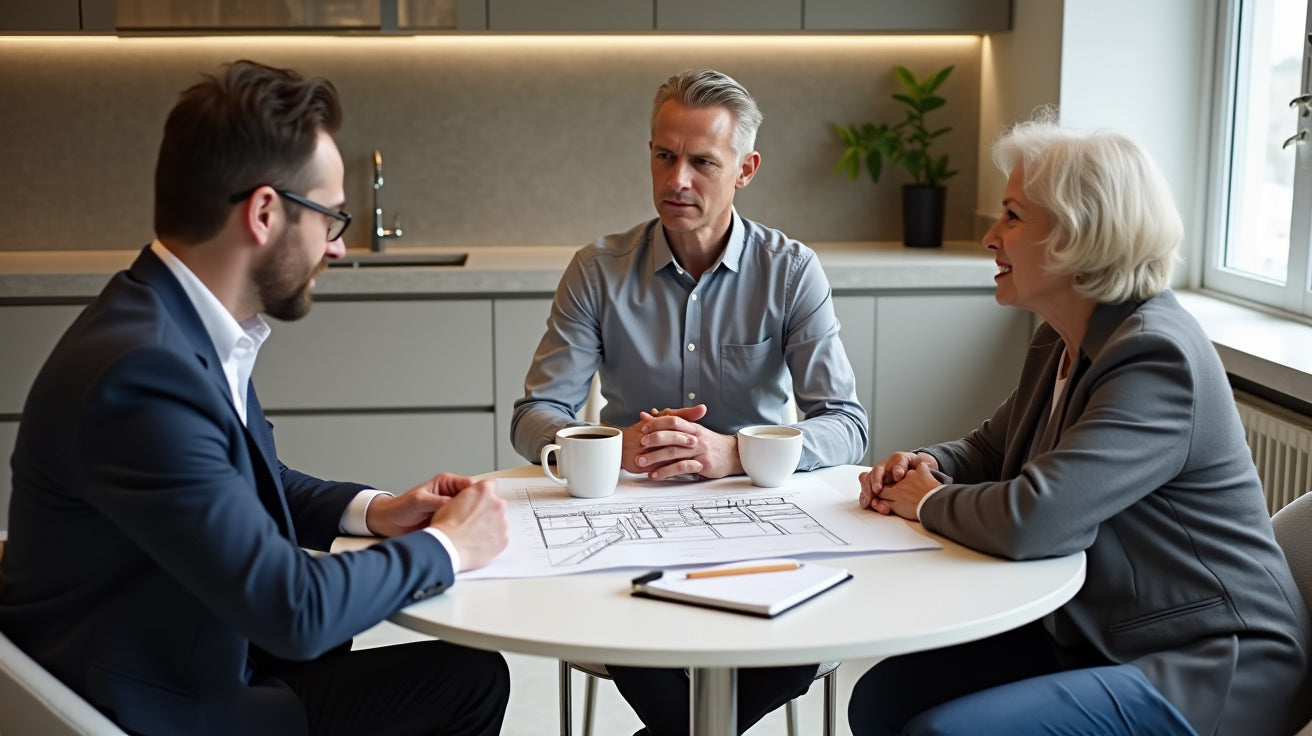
(392, 452)
(380, 355)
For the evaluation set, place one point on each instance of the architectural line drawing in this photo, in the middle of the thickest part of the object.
(574, 534)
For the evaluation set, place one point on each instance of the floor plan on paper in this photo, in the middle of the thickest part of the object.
(574, 535)
(648, 524)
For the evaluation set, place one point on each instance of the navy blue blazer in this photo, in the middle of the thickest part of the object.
(154, 537)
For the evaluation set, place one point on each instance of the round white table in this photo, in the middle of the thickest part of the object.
(895, 604)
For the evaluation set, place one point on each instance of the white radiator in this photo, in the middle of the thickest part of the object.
(1281, 443)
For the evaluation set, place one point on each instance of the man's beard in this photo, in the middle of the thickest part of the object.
(282, 280)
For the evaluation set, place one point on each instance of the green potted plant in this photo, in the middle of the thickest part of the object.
(906, 144)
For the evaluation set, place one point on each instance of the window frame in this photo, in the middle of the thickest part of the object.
(1231, 66)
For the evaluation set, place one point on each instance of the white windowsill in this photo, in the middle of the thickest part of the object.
(1265, 347)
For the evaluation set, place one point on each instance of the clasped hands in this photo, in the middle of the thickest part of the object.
(897, 485)
(670, 442)
(469, 513)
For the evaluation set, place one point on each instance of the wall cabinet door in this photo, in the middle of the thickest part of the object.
(728, 15)
(569, 15)
(375, 355)
(391, 451)
(972, 16)
(942, 365)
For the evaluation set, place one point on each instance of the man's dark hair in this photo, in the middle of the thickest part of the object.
(249, 126)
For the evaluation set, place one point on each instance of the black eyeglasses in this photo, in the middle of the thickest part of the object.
(336, 226)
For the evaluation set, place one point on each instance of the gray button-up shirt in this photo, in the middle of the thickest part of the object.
(731, 340)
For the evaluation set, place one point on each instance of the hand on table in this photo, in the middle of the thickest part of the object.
(897, 485)
(671, 442)
(475, 522)
(389, 516)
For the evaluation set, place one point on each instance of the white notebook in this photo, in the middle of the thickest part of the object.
(760, 593)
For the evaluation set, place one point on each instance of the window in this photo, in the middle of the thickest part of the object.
(1262, 227)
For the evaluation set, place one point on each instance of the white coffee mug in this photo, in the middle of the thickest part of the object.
(588, 458)
(769, 453)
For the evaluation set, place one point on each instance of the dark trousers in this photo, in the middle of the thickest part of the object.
(428, 687)
(1013, 683)
(660, 695)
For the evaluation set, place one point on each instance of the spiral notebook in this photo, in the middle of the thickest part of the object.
(765, 594)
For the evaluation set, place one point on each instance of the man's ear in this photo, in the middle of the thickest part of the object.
(260, 213)
(747, 170)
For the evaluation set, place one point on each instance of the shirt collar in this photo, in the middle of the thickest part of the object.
(224, 330)
(663, 257)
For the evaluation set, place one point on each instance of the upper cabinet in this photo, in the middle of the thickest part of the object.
(965, 16)
(57, 16)
(866, 16)
(568, 15)
(728, 15)
(549, 16)
(296, 15)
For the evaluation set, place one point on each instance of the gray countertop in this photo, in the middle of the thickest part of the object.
(510, 270)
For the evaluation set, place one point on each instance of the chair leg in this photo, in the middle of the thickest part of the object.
(566, 707)
(790, 716)
(589, 703)
(831, 701)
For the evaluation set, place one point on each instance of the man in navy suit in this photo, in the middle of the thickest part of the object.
(154, 561)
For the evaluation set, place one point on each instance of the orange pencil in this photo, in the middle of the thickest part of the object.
(777, 567)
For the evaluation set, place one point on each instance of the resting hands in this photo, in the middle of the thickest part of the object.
(469, 513)
(671, 442)
(897, 485)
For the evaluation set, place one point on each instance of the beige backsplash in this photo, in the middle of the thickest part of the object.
(509, 140)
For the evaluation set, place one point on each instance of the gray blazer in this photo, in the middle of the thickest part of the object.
(1144, 467)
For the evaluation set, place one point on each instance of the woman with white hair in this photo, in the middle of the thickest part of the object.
(1122, 441)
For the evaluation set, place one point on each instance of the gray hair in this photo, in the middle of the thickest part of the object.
(709, 88)
(1115, 227)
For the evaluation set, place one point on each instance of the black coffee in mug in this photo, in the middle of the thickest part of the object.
(589, 436)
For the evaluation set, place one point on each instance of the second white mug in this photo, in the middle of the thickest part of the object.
(769, 453)
(588, 459)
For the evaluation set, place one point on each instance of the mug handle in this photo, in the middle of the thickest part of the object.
(546, 468)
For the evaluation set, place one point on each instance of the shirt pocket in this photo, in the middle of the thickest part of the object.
(750, 376)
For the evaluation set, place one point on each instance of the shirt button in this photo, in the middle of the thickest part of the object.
(692, 395)
(694, 297)
(691, 347)
(680, 270)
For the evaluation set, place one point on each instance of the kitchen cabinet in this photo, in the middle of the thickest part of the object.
(59, 16)
(303, 15)
(965, 16)
(391, 391)
(569, 15)
(942, 364)
(728, 15)
(856, 320)
(28, 334)
(519, 324)
(384, 392)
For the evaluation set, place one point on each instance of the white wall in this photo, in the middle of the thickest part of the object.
(1144, 69)
(1020, 70)
(1141, 67)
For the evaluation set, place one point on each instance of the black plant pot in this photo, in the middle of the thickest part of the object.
(922, 215)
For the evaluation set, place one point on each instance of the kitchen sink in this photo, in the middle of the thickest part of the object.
(398, 260)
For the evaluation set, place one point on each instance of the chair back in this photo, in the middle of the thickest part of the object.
(1293, 527)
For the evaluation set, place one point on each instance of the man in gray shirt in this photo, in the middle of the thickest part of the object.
(699, 323)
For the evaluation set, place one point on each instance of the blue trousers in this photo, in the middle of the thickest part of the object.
(1014, 683)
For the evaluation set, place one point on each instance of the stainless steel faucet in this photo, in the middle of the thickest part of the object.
(381, 235)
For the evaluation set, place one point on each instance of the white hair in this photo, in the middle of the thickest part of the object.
(1115, 227)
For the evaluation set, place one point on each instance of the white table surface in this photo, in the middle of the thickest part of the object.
(896, 603)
